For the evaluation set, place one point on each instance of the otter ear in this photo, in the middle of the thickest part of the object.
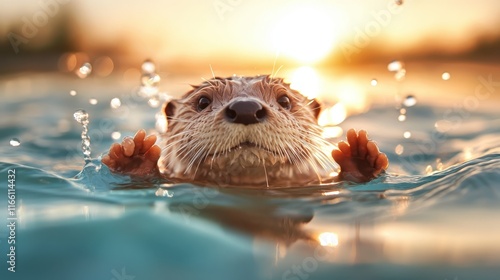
(315, 107)
(169, 109)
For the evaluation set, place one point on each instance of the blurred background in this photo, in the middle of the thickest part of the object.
(239, 33)
(338, 51)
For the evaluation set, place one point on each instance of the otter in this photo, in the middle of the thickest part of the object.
(245, 131)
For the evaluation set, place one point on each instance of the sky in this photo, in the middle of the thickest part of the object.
(306, 32)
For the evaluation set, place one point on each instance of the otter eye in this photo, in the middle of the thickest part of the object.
(203, 103)
(284, 102)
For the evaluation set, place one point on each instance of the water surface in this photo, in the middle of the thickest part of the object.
(433, 216)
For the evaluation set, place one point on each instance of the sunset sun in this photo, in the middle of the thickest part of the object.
(306, 34)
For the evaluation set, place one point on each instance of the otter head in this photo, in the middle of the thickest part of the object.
(244, 131)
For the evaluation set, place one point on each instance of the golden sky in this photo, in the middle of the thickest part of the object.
(303, 31)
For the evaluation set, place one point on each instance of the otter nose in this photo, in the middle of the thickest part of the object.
(245, 112)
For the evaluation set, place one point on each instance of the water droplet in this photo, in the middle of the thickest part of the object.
(407, 134)
(154, 102)
(150, 80)
(402, 118)
(428, 169)
(81, 116)
(410, 101)
(86, 153)
(400, 75)
(399, 2)
(399, 149)
(115, 135)
(374, 82)
(86, 142)
(14, 142)
(84, 70)
(72, 92)
(115, 103)
(439, 166)
(148, 66)
(446, 76)
(93, 101)
(395, 66)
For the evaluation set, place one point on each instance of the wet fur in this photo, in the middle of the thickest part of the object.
(204, 148)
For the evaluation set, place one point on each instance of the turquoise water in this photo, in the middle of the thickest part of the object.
(435, 215)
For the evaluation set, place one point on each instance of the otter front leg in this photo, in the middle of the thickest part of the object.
(137, 157)
(360, 159)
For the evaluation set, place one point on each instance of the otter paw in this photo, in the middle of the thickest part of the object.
(360, 159)
(136, 156)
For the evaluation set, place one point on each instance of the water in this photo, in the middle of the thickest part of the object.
(433, 216)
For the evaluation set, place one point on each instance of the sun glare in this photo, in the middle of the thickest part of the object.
(328, 239)
(333, 115)
(352, 96)
(306, 34)
(305, 80)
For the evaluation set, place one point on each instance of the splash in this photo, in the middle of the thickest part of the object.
(150, 81)
(82, 117)
(149, 89)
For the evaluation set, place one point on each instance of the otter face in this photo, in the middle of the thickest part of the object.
(244, 131)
